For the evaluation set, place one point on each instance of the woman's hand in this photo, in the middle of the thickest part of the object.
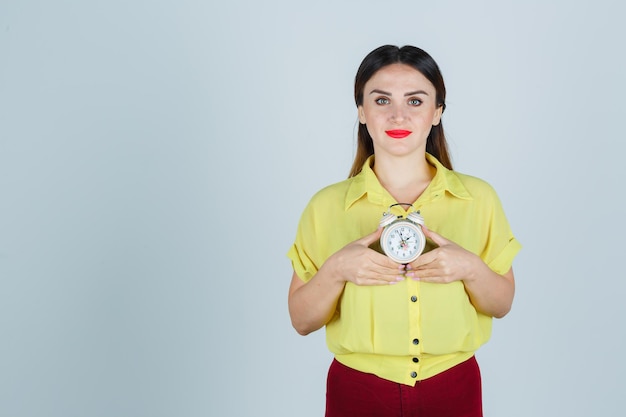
(447, 263)
(313, 303)
(489, 292)
(359, 264)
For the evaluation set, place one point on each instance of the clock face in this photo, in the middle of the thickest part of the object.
(402, 241)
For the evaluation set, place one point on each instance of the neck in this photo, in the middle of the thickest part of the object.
(404, 178)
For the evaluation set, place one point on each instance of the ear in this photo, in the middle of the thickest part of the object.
(361, 115)
(437, 116)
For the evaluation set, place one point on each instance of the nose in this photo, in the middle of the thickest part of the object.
(398, 114)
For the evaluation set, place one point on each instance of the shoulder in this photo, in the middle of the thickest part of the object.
(472, 182)
(326, 203)
(459, 184)
(334, 193)
(477, 188)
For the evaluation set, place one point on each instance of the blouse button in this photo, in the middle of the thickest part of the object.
(416, 360)
(416, 341)
(413, 374)
(413, 298)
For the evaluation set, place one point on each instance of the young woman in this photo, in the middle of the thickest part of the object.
(403, 335)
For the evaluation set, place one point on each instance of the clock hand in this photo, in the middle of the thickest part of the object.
(403, 240)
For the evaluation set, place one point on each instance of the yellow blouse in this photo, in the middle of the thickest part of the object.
(411, 330)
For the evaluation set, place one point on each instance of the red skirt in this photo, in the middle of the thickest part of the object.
(452, 393)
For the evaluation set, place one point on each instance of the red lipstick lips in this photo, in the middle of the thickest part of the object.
(398, 134)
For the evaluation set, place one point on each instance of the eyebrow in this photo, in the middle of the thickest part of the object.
(412, 93)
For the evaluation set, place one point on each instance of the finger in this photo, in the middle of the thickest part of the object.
(386, 269)
(380, 281)
(382, 265)
(380, 275)
(435, 237)
(425, 259)
(392, 277)
(434, 279)
(425, 272)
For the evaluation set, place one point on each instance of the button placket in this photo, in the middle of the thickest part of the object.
(415, 308)
(415, 328)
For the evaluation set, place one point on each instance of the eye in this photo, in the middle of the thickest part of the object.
(415, 102)
(382, 100)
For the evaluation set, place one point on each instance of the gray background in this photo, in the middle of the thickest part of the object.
(155, 157)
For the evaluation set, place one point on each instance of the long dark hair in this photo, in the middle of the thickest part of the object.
(415, 57)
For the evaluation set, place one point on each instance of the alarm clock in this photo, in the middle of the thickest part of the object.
(403, 239)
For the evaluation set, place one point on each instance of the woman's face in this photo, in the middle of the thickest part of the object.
(399, 109)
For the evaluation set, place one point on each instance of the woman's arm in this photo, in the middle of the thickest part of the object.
(312, 304)
(489, 292)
